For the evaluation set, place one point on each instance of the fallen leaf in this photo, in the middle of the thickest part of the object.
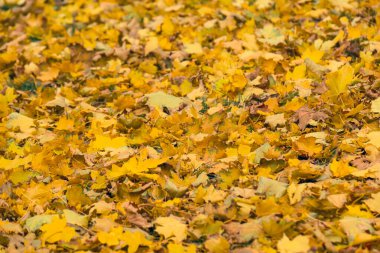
(57, 230)
(338, 81)
(193, 48)
(275, 120)
(374, 138)
(217, 245)
(298, 245)
(341, 168)
(374, 202)
(375, 105)
(271, 187)
(160, 99)
(171, 228)
(271, 35)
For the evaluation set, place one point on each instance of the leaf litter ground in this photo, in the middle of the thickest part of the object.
(189, 126)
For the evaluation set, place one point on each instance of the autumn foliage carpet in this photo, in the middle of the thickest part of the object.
(245, 126)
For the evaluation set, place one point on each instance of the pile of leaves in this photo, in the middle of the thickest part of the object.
(189, 126)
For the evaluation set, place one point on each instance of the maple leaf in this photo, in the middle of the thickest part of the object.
(308, 145)
(10, 227)
(304, 115)
(193, 48)
(338, 81)
(35, 222)
(275, 120)
(112, 237)
(160, 99)
(171, 227)
(134, 240)
(179, 248)
(271, 35)
(299, 244)
(375, 105)
(374, 138)
(341, 168)
(49, 75)
(24, 123)
(243, 233)
(271, 187)
(295, 192)
(217, 244)
(357, 229)
(57, 230)
(374, 202)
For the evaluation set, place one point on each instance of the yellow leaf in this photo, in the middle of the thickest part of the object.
(374, 202)
(22, 122)
(149, 164)
(217, 245)
(136, 78)
(215, 109)
(239, 81)
(375, 105)
(338, 81)
(357, 211)
(308, 145)
(151, 45)
(271, 187)
(357, 229)
(49, 75)
(193, 48)
(168, 27)
(343, 4)
(271, 35)
(164, 43)
(267, 206)
(275, 120)
(10, 55)
(21, 176)
(128, 167)
(337, 200)
(10, 227)
(35, 222)
(133, 166)
(56, 231)
(75, 196)
(111, 238)
(59, 101)
(7, 164)
(341, 168)
(263, 4)
(313, 54)
(65, 124)
(160, 99)
(244, 149)
(89, 38)
(134, 240)
(213, 195)
(148, 67)
(106, 142)
(179, 248)
(10, 94)
(171, 227)
(31, 68)
(298, 73)
(185, 87)
(75, 218)
(300, 244)
(374, 138)
(295, 192)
